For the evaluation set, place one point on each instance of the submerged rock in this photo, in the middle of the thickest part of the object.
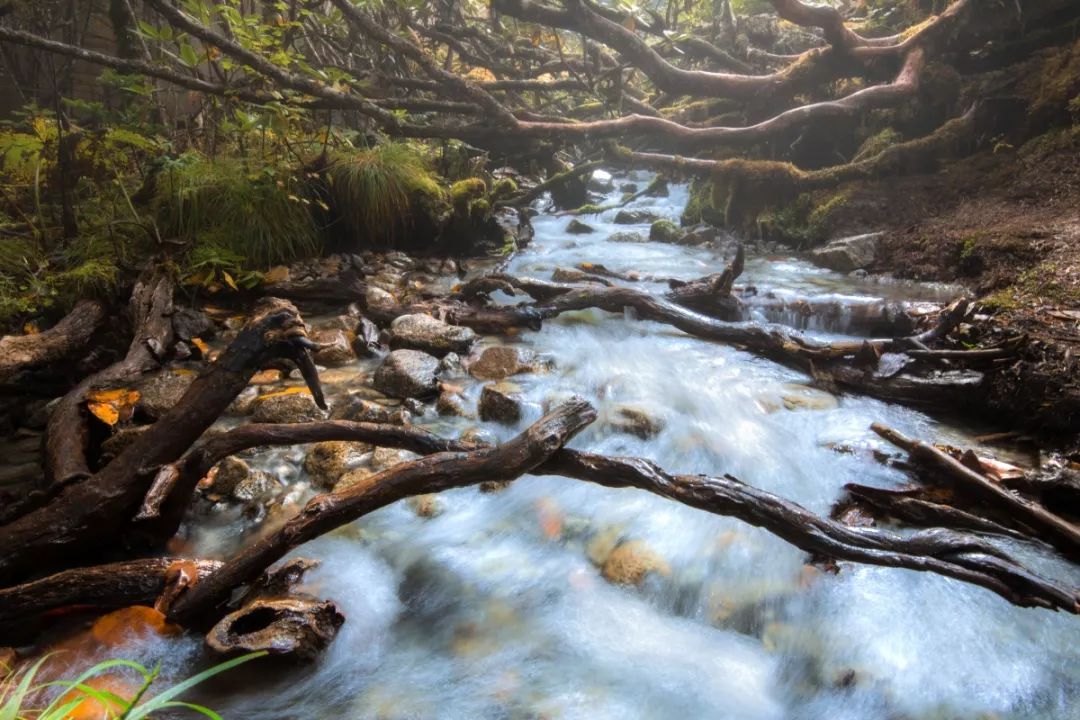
(850, 253)
(627, 236)
(630, 562)
(353, 478)
(358, 409)
(634, 420)
(426, 506)
(295, 405)
(634, 217)
(576, 227)
(326, 462)
(501, 402)
(452, 404)
(427, 334)
(384, 458)
(407, 373)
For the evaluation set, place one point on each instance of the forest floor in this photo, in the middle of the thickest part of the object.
(1005, 224)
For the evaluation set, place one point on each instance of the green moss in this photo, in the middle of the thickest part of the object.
(877, 144)
(479, 209)
(504, 187)
(463, 191)
(818, 219)
(664, 231)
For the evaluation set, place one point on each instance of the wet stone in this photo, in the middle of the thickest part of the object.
(576, 227)
(501, 402)
(500, 362)
(225, 476)
(353, 478)
(665, 231)
(162, 392)
(627, 237)
(326, 462)
(430, 335)
(383, 458)
(359, 409)
(407, 373)
(256, 486)
(634, 217)
(636, 421)
(336, 348)
(286, 407)
(426, 506)
(452, 404)
(630, 562)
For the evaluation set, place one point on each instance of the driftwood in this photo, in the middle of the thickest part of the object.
(1047, 526)
(151, 308)
(120, 584)
(85, 515)
(63, 340)
(434, 473)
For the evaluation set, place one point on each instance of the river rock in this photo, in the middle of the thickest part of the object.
(850, 253)
(407, 373)
(255, 486)
(358, 409)
(426, 506)
(119, 440)
(225, 476)
(627, 236)
(501, 402)
(699, 235)
(576, 227)
(633, 420)
(480, 436)
(452, 404)
(385, 457)
(665, 231)
(427, 334)
(631, 562)
(629, 188)
(326, 462)
(500, 362)
(336, 348)
(634, 217)
(378, 297)
(353, 478)
(292, 406)
(162, 392)
(801, 397)
(189, 324)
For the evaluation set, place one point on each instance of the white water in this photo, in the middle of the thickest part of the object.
(480, 613)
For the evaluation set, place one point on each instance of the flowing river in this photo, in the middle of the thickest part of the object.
(497, 607)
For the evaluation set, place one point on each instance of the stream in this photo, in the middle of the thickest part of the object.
(498, 607)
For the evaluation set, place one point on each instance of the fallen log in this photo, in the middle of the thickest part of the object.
(63, 340)
(86, 516)
(1051, 528)
(434, 473)
(67, 432)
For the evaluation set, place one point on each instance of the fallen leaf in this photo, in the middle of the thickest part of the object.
(229, 280)
(201, 344)
(137, 621)
(298, 390)
(30, 329)
(112, 406)
(276, 275)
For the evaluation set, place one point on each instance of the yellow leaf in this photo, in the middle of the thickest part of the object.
(229, 280)
(201, 344)
(298, 390)
(112, 406)
(30, 329)
(586, 266)
(276, 275)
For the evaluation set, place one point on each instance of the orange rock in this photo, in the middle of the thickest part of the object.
(93, 708)
(137, 621)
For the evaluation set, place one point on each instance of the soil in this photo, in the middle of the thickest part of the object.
(1004, 223)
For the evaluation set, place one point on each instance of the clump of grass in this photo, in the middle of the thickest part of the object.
(259, 213)
(465, 190)
(378, 193)
(19, 693)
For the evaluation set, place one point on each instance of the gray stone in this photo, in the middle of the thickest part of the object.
(162, 392)
(427, 334)
(289, 407)
(627, 237)
(336, 348)
(576, 227)
(634, 217)
(849, 253)
(359, 409)
(500, 362)
(501, 402)
(407, 373)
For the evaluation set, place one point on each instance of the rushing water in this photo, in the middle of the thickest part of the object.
(496, 607)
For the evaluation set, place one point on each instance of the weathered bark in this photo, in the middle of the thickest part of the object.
(120, 584)
(430, 474)
(87, 515)
(711, 295)
(1049, 527)
(151, 310)
(61, 341)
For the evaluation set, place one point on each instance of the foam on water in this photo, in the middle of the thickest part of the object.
(493, 609)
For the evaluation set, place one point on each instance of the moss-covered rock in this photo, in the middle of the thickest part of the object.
(665, 231)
